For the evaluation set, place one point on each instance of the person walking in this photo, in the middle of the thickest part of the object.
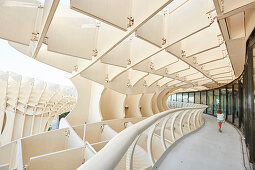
(220, 119)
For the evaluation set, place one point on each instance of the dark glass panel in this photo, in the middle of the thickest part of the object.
(173, 97)
(216, 102)
(197, 97)
(191, 97)
(185, 97)
(179, 97)
(229, 88)
(210, 102)
(203, 97)
(223, 100)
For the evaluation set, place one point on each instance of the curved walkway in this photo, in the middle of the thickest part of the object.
(206, 149)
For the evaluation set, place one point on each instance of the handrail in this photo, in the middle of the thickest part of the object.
(109, 157)
(176, 104)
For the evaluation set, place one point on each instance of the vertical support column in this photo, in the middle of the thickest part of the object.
(181, 121)
(251, 100)
(188, 97)
(189, 117)
(246, 125)
(206, 101)
(226, 103)
(149, 143)
(162, 130)
(194, 98)
(200, 96)
(213, 102)
(172, 129)
(233, 103)
(130, 154)
(220, 98)
(240, 106)
(182, 97)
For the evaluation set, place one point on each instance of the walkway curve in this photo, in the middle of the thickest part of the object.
(206, 149)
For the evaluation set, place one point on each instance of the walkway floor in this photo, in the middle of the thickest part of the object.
(207, 149)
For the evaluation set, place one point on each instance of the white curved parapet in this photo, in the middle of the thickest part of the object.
(175, 104)
(126, 144)
(129, 143)
(28, 106)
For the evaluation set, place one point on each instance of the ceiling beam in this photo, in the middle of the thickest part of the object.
(237, 10)
(46, 25)
(123, 37)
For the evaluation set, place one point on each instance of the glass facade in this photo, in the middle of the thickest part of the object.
(225, 98)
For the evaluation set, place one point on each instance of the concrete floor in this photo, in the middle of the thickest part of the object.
(206, 149)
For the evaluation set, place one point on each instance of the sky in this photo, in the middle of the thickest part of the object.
(14, 61)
